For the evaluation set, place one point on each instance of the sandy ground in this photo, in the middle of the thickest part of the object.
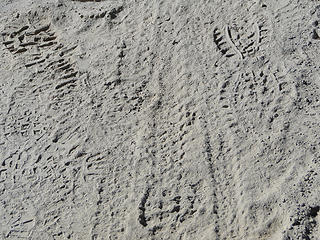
(159, 119)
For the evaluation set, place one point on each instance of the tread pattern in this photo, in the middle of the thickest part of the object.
(183, 125)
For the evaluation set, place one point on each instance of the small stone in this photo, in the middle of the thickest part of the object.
(315, 35)
(315, 23)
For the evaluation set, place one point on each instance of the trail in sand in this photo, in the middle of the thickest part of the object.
(159, 119)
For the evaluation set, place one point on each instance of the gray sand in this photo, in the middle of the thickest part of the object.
(159, 119)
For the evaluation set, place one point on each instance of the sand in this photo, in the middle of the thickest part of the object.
(161, 119)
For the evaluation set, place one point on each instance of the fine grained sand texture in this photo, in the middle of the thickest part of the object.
(159, 119)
